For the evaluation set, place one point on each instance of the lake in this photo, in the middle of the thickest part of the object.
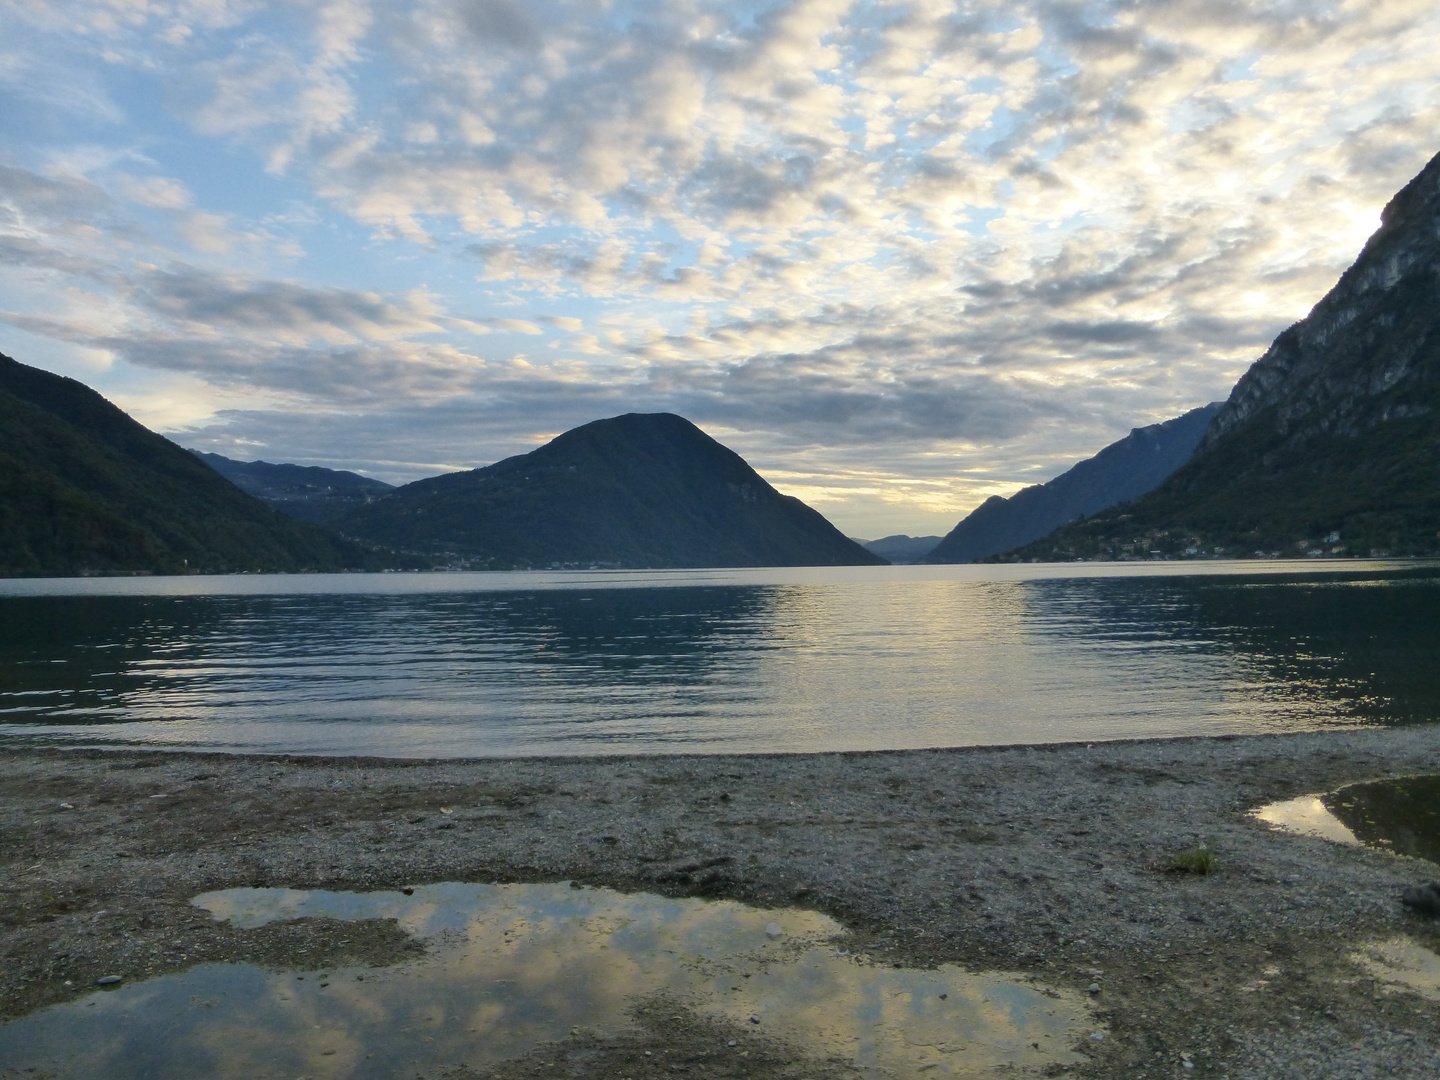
(716, 661)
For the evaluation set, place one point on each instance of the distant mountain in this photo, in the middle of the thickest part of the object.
(86, 489)
(1331, 440)
(307, 492)
(901, 548)
(1122, 471)
(640, 490)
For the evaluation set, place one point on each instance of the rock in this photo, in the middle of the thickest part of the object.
(1424, 899)
(773, 931)
(109, 980)
(1094, 988)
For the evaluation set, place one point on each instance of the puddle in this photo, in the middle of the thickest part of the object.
(1401, 815)
(511, 967)
(1401, 964)
(1306, 816)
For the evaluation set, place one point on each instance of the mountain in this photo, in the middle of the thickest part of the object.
(86, 489)
(1331, 441)
(307, 492)
(901, 548)
(1122, 471)
(640, 490)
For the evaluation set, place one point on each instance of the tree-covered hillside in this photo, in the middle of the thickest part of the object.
(86, 489)
(640, 490)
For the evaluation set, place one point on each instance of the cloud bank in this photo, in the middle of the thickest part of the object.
(901, 255)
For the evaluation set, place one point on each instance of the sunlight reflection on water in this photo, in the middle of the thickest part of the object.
(712, 661)
(1399, 815)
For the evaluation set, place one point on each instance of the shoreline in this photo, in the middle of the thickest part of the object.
(1046, 860)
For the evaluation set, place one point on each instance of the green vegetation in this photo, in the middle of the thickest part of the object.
(1371, 494)
(84, 489)
(1197, 860)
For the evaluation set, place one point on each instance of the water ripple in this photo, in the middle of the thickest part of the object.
(716, 661)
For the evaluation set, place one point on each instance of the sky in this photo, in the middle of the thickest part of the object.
(900, 256)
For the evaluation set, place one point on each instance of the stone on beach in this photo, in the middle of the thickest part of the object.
(1424, 899)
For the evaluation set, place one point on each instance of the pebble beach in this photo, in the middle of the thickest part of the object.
(1055, 862)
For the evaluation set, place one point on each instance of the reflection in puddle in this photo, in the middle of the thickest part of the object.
(1306, 816)
(512, 967)
(1403, 965)
(1401, 815)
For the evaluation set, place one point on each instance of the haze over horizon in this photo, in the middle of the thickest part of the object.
(899, 256)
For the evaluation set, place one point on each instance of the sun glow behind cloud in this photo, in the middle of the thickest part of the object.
(901, 255)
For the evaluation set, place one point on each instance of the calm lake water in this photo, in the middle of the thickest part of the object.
(864, 658)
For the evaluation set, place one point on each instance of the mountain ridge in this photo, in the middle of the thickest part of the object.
(1122, 471)
(85, 488)
(310, 493)
(901, 548)
(1329, 441)
(639, 490)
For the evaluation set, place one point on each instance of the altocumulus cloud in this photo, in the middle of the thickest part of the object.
(903, 255)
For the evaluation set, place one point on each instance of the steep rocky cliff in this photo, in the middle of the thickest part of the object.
(1331, 441)
(1367, 352)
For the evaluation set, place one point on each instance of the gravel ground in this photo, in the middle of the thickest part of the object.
(1049, 860)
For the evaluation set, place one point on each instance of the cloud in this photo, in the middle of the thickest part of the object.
(502, 22)
(344, 378)
(158, 192)
(887, 240)
(30, 200)
(513, 326)
(284, 312)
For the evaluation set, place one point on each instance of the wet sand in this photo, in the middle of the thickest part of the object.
(1052, 861)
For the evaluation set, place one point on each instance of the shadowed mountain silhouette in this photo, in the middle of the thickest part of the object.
(639, 490)
(901, 548)
(86, 489)
(1123, 470)
(308, 492)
